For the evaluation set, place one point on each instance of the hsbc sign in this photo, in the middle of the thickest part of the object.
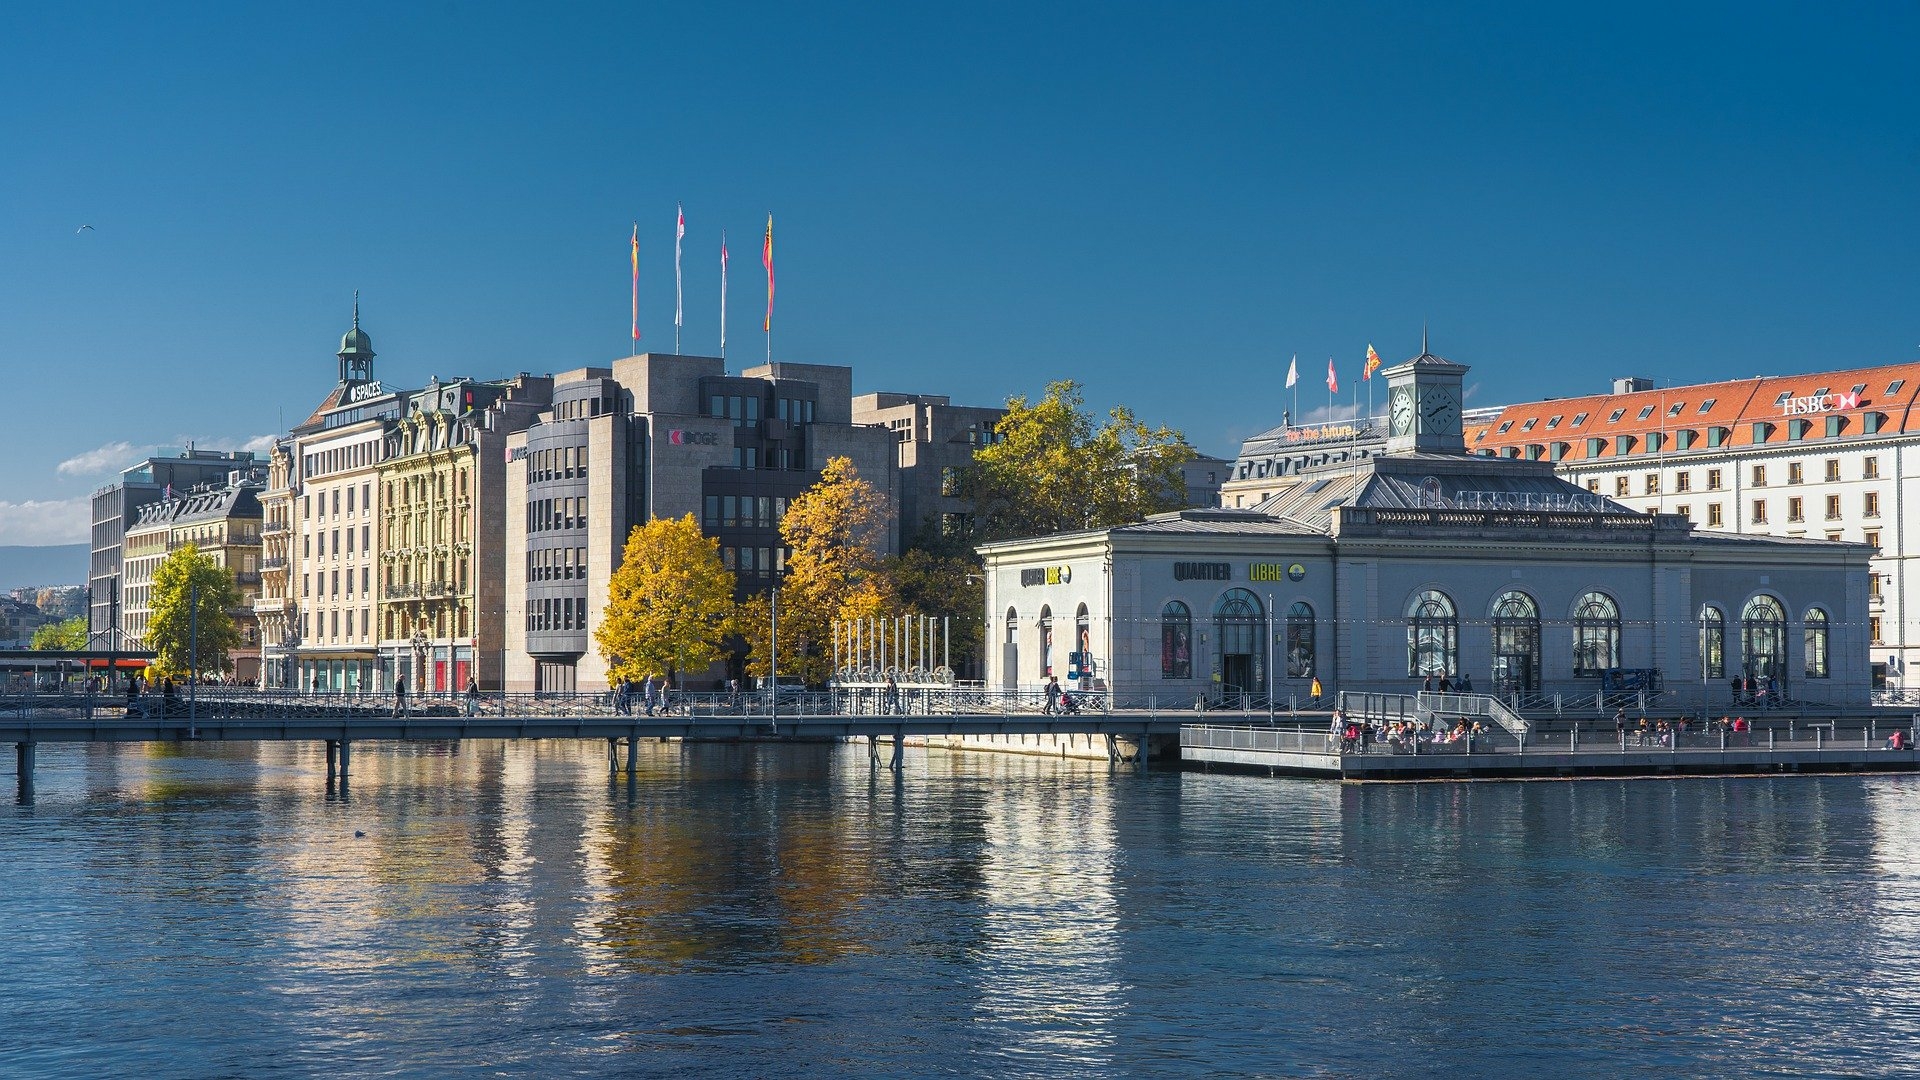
(1819, 404)
(692, 438)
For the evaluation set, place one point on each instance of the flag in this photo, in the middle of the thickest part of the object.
(723, 292)
(1293, 370)
(636, 281)
(766, 256)
(1333, 381)
(679, 230)
(1373, 361)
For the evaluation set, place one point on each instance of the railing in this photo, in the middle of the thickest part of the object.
(400, 592)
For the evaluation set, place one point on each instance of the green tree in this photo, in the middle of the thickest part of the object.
(1052, 468)
(192, 596)
(944, 585)
(669, 606)
(836, 532)
(68, 635)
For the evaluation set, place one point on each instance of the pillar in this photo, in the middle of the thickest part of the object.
(899, 750)
(333, 750)
(23, 761)
(346, 760)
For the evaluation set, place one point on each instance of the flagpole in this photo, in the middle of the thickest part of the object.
(1293, 373)
(679, 230)
(634, 348)
(723, 294)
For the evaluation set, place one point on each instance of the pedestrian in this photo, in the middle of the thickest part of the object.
(893, 696)
(1466, 683)
(1446, 685)
(1336, 727)
(1426, 685)
(400, 696)
(1313, 692)
(1773, 692)
(646, 694)
(1053, 694)
(473, 695)
(733, 694)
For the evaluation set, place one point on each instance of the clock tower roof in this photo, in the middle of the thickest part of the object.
(1425, 400)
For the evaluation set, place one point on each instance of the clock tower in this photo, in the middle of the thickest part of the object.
(1423, 405)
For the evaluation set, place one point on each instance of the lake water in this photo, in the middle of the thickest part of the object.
(505, 909)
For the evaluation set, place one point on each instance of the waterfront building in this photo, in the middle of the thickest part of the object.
(1375, 571)
(114, 509)
(1823, 455)
(223, 522)
(274, 609)
(934, 443)
(440, 529)
(662, 436)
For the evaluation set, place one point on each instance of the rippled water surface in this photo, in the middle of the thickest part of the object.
(505, 909)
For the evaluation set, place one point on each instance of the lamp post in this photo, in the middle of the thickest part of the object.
(419, 642)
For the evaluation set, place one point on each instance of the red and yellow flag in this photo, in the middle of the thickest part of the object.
(766, 256)
(636, 281)
(1373, 361)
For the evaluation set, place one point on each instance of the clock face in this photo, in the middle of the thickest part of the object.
(1400, 411)
(1439, 412)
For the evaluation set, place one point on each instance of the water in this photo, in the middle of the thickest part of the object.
(764, 911)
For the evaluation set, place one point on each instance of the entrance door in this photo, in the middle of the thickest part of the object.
(1236, 673)
(1513, 673)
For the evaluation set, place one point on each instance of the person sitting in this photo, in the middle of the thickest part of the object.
(1897, 740)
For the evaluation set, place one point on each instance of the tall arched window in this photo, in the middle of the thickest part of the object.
(1083, 641)
(1013, 626)
(1300, 654)
(1433, 634)
(1815, 635)
(1046, 641)
(1516, 644)
(1241, 626)
(1596, 635)
(1713, 643)
(1763, 638)
(1176, 641)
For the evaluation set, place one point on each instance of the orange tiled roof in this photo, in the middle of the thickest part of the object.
(1736, 406)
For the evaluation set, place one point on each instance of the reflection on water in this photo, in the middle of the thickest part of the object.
(754, 909)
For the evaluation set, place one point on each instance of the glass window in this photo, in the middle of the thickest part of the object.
(1763, 638)
(1432, 634)
(1300, 645)
(1596, 635)
(1516, 644)
(1241, 628)
(1815, 634)
(1046, 641)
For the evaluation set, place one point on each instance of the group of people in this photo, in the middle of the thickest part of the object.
(1060, 701)
(1401, 736)
(1446, 684)
(652, 693)
(1748, 690)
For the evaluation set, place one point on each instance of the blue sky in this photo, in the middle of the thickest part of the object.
(1164, 202)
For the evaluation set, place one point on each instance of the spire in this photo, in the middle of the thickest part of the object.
(356, 315)
(356, 350)
(1423, 327)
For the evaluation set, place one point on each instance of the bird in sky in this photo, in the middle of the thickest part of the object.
(81, 229)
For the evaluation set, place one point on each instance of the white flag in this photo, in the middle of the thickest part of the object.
(679, 230)
(1293, 371)
(723, 292)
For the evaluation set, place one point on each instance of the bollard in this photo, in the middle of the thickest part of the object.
(1817, 734)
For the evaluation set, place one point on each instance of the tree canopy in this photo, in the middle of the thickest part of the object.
(1053, 468)
(836, 532)
(67, 635)
(669, 606)
(192, 598)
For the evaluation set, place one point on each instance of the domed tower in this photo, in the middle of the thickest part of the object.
(356, 351)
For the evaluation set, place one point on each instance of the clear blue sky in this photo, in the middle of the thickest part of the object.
(1163, 202)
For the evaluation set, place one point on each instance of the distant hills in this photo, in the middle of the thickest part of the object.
(57, 564)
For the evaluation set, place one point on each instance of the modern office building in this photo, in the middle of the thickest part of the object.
(1373, 572)
(1825, 455)
(115, 508)
(662, 436)
(934, 443)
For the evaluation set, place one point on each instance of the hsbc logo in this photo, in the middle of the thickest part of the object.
(692, 438)
(1819, 404)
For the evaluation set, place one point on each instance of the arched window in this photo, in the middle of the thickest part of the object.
(1013, 626)
(1815, 636)
(1596, 635)
(1176, 641)
(1713, 643)
(1300, 657)
(1433, 635)
(1083, 641)
(1241, 626)
(1516, 644)
(1763, 638)
(1046, 641)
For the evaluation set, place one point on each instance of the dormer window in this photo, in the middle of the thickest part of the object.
(1553, 422)
(1894, 386)
(1578, 419)
(1504, 427)
(1677, 406)
(1617, 414)
(1528, 426)
(1782, 399)
(1646, 412)
(1706, 406)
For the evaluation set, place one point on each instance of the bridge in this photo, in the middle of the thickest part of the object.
(340, 720)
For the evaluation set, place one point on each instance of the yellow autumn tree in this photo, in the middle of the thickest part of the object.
(837, 533)
(669, 606)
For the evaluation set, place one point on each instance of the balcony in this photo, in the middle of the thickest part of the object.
(401, 592)
(273, 528)
(273, 564)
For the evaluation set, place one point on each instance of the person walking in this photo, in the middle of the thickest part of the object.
(733, 695)
(1053, 695)
(646, 694)
(893, 696)
(1313, 691)
(400, 696)
(473, 696)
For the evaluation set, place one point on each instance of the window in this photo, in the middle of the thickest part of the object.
(1814, 642)
(1593, 486)
(1705, 406)
(1713, 479)
(1553, 422)
(1646, 412)
(1871, 506)
(1300, 646)
(1759, 511)
(1871, 536)
(1596, 635)
(1432, 634)
(1718, 436)
(1683, 481)
(1797, 429)
(1503, 427)
(1684, 510)
(1873, 628)
(1793, 472)
(1836, 426)
(1621, 486)
(1869, 468)
(1759, 476)
(1617, 414)
(1528, 426)
(1579, 418)
(1653, 483)
(1782, 399)
(1833, 469)
(1046, 641)
(1596, 447)
(1241, 627)
(1794, 510)
(1761, 431)
(1677, 406)
(1894, 388)
(1713, 643)
(1763, 638)
(1833, 507)
(1516, 644)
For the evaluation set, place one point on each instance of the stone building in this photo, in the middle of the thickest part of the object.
(223, 522)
